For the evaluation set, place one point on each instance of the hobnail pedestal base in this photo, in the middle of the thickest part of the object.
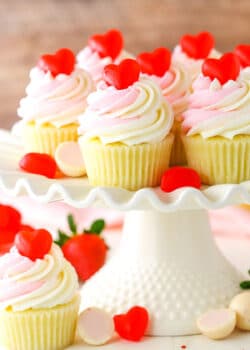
(169, 263)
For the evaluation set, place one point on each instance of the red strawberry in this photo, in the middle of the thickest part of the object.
(178, 177)
(33, 244)
(86, 251)
(133, 324)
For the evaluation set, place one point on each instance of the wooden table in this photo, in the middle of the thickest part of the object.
(29, 28)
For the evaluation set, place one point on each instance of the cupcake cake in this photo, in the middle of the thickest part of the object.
(126, 128)
(175, 83)
(39, 298)
(216, 125)
(56, 97)
(193, 50)
(102, 49)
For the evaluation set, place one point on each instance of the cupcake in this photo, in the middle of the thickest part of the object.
(126, 127)
(56, 96)
(216, 125)
(102, 49)
(175, 83)
(193, 50)
(39, 298)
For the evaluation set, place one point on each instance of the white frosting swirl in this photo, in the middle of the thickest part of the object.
(138, 114)
(218, 110)
(43, 283)
(55, 100)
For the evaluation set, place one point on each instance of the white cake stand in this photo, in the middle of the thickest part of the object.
(167, 261)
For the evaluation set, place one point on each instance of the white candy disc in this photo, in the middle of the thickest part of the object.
(95, 326)
(69, 159)
(217, 324)
(241, 305)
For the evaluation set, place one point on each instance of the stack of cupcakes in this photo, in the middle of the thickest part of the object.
(135, 117)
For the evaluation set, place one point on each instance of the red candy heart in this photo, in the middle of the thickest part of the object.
(33, 244)
(108, 44)
(156, 62)
(225, 68)
(178, 177)
(133, 324)
(243, 53)
(123, 75)
(10, 224)
(197, 46)
(39, 163)
(62, 62)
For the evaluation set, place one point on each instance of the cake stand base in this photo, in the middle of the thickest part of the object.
(169, 263)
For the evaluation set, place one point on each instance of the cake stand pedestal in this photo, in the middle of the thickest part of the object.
(167, 261)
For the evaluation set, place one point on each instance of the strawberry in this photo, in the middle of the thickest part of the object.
(85, 251)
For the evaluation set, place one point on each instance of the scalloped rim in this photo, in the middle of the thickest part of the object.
(15, 183)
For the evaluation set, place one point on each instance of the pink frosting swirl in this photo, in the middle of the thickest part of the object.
(218, 110)
(43, 283)
(138, 114)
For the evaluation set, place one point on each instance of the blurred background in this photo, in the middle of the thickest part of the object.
(30, 28)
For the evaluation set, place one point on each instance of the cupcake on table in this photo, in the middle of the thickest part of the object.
(102, 49)
(126, 130)
(56, 97)
(39, 298)
(216, 125)
(192, 50)
(175, 83)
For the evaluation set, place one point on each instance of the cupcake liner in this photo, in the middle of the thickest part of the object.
(129, 167)
(178, 154)
(219, 160)
(46, 138)
(44, 329)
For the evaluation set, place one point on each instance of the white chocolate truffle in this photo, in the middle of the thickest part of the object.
(241, 305)
(95, 326)
(217, 324)
(69, 159)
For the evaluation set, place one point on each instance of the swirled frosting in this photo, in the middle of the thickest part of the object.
(138, 114)
(55, 100)
(90, 61)
(43, 283)
(175, 85)
(218, 110)
(192, 65)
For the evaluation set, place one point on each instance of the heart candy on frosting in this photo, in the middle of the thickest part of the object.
(243, 53)
(225, 68)
(156, 62)
(123, 75)
(108, 44)
(197, 46)
(62, 62)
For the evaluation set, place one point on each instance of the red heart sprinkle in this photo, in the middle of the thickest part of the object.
(133, 324)
(225, 68)
(156, 62)
(197, 46)
(62, 62)
(33, 244)
(243, 53)
(108, 44)
(123, 75)
(178, 177)
(39, 163)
